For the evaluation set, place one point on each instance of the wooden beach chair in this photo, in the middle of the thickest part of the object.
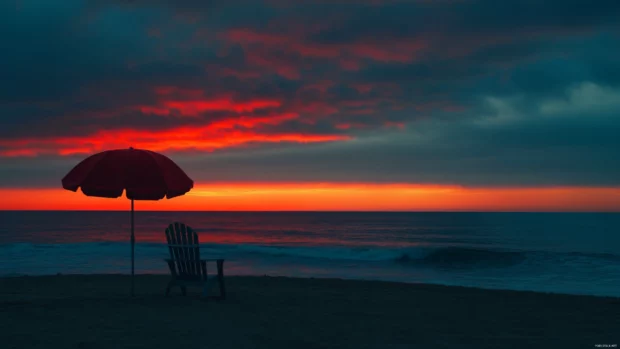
(186, 267)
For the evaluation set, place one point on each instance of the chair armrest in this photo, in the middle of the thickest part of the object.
(213, 259)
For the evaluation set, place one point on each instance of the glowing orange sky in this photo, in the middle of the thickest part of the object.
(331, 197)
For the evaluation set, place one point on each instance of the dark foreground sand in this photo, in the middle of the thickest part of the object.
(95, 311)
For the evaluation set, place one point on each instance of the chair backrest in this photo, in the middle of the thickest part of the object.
(184, 250)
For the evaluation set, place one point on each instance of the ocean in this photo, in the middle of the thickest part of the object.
(574, 253)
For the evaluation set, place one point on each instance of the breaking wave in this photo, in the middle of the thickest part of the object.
(422, 256)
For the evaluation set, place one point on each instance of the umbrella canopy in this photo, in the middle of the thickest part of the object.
(142, 174)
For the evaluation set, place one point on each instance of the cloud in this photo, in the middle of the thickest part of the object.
(463, 92)
(503, 147)
(584, 98)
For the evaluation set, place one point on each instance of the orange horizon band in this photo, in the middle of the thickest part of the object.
(331, 197)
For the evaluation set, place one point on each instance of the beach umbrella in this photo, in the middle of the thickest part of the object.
(142, 174)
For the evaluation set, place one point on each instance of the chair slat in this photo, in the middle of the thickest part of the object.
(186, 251)
(170, 245)
(186, 264)
(172, 241)
(173, 270)
(177, 252)
(183, 241)
(196, 253)
(180, 256)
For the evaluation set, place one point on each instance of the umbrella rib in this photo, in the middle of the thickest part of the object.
(94, 170)
(161, 172)
(168, 162)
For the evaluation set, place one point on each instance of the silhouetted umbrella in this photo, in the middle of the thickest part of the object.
(143, 174)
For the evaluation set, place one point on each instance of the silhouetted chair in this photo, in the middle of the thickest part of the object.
(185, 265)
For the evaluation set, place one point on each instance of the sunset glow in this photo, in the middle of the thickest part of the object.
(331, 197)
(319, 105)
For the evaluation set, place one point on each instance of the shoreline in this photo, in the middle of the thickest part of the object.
(336, 278)
(320, 279)
(96, 311)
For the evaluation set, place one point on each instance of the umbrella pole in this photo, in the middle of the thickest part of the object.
(132, 249)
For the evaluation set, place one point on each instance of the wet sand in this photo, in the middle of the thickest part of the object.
(95, 311)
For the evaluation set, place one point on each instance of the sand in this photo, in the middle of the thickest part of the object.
(95, 311)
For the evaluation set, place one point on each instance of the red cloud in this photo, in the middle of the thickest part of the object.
(173, 90)
(322, 86)
(242, 127)
(190, 102)
(252, 122)
(265, 59)
(348, 55)
(200, 106)
(218, 135)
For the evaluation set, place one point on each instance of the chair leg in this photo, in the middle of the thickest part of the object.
(184, 290)
(205, 290)
(168, 288)
(220, 278)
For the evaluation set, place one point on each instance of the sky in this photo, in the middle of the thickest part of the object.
(318, 105)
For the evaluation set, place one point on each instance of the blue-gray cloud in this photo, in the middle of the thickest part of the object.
(474, 92)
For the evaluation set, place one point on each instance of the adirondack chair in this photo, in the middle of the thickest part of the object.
(186, 267)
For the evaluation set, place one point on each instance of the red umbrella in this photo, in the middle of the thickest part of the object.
(143, 174)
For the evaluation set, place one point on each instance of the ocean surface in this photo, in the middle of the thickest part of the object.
(576, 253)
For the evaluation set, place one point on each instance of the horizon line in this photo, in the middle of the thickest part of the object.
(320, 211)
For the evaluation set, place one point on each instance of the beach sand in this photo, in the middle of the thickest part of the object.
(95, 311)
